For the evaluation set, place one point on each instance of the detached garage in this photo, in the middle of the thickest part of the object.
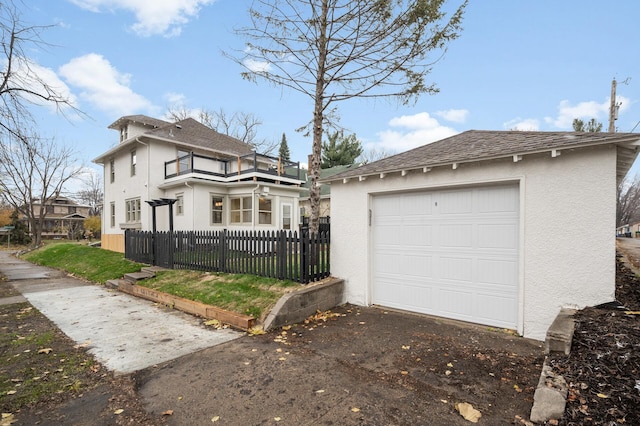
(495, 228)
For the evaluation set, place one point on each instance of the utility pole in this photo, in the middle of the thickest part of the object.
(613, 108)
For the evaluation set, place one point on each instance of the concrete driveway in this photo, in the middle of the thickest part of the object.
(124, 333)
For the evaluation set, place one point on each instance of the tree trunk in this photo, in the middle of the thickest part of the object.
(318, 117)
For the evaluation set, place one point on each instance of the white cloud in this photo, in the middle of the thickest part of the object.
(454, 115)
(154, 17)
(104, 86)
(415, 130)
(584, 110)
(523, 124)
(257, 66)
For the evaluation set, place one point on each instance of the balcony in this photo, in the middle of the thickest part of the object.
(257, 167)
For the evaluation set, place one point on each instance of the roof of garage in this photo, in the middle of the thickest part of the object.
(479, 145)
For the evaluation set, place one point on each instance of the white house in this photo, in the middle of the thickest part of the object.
(495, 228)
(215, 181)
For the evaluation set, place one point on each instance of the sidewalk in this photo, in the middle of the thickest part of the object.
(124, 333)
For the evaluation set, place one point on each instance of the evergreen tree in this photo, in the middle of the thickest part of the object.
(590, 126)
(284, 153)
(340, 150)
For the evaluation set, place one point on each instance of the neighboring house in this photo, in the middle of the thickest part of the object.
(481, 226)
(325, 191)
(64, 218)
(215, 181)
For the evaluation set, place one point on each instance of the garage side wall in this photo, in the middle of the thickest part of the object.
(567, 222)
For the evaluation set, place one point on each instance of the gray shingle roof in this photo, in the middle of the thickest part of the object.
(478, 145)
(191, 132)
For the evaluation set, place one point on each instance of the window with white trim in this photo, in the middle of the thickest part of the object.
(134, 161)
(217, 209)
(112, 170)
(179, 204)
(265, 211)
(112, 213)
(241, 210)
(133, 210)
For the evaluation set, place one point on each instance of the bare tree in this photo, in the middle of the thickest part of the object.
(21, 82)
(334, 50)
(240, 125)
(628, 206)
(91, 193)
(34, 173)
(372, 154)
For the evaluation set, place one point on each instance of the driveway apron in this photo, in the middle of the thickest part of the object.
(124, 333)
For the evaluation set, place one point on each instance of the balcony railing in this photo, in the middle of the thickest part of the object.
(239, 168)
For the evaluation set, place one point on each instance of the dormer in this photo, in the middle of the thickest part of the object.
(131, 126)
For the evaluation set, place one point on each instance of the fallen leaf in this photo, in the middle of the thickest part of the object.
(212, 322)
(167, 413)
(215, 419)
(404, 372)
(254, 331)
(118, 411)
(320, 391)
(286, 327)
(277, 419)
(282, 358)
(11, 392)
(405, 347)
(517, 388)
(82, 345)
(45, 351)
(355, 409)
(467, 411)
(601, 395)
(447, 373)
(449, 364)
(444, 401)
(7, 419)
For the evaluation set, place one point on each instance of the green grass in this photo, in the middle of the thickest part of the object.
(91, 263)
(245, 294)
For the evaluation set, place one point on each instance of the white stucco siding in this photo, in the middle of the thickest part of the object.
(567, 213)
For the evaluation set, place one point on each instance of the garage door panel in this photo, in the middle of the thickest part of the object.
(497, 272)
(391, 294)
(451, 253)
(419, 265)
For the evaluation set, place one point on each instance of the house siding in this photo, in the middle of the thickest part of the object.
(567, 214)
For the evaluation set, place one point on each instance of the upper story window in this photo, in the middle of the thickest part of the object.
(124, 133)
(133, 210)
(241, 210)
(112, 214)
(134, 161)
(112, 170)
(72, 209)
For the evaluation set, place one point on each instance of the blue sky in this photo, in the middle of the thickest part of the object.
(527, 65)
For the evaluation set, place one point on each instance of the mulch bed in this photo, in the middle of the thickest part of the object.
(603, 368)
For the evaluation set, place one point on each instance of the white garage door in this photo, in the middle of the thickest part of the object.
(450, 253)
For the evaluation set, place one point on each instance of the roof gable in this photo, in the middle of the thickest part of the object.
(480, 145)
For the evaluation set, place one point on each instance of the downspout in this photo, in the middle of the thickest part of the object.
(253, 207)
(148, 167)
(193, 205)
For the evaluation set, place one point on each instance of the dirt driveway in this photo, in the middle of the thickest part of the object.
(363, 366)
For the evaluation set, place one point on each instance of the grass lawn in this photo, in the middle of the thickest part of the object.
(243, 294)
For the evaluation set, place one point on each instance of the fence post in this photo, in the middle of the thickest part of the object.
(281, 254)
(223, 251)
(304, 254)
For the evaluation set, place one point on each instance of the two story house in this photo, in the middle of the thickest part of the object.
(206, 181)
(64, 218)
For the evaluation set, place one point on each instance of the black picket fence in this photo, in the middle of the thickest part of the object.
(298, 256)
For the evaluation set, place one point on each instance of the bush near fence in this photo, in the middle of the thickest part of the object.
(298, 256)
